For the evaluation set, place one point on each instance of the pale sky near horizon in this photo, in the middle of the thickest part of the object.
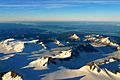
(59, 10)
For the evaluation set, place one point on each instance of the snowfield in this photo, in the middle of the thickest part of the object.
(92, 57)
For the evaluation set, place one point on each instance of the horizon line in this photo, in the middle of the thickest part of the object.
(57, 21)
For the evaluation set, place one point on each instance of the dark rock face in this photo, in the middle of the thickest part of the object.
(1, 75)
(86, 47)
(13, 74)
(93, 66)
(115, 72)
(51, 60)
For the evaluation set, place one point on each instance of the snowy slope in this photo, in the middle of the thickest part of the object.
(77, 60)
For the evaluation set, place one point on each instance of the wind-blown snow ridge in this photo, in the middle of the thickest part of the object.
(33, 41)
(7, 57)
(43, 45)
(58, 43)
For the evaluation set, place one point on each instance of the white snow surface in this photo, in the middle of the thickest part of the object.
(11, 46)
(57, 63)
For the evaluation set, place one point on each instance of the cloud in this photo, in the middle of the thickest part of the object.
(52, 3)
(35, 6)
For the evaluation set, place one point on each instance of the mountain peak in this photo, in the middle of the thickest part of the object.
(11, 75)
(75, 37)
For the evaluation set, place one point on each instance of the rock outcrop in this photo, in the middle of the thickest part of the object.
(11, 75)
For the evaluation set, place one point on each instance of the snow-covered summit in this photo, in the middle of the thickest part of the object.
(107, 41)
(101, 40)
(63, 54)
(39, 63)
(11, 75)
(74, 37)
(11, 45)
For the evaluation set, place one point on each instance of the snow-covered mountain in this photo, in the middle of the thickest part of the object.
(74, 37)
(11, 75)
(101, 40)
(11, 46)
(64, 59)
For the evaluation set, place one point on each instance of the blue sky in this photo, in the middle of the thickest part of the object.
(59, 10)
